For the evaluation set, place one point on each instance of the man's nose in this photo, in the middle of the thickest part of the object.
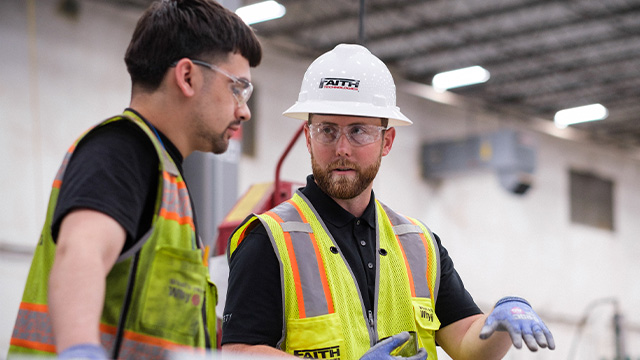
(243, 113)
(343, 146)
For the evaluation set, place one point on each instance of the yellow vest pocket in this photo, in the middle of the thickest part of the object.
(173, 298)
(426, 323)
(318, 337)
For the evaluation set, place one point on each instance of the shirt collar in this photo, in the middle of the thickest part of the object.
(331, 211)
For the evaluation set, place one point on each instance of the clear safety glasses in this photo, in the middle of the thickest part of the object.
(357, 134)
(240, 88)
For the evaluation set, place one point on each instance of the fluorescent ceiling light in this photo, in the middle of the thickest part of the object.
(580, 114)
(461, 77)
(262, 11)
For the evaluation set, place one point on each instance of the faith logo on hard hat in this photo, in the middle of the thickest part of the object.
(339, 83)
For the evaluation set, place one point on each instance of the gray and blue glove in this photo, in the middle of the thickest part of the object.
(515, 315)
(382, 350)
(84, 352)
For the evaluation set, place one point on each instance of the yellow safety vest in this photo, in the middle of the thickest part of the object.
(323, 309)
(165, 276)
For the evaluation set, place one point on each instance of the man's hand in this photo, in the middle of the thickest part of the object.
(515, 315)
(383, 349)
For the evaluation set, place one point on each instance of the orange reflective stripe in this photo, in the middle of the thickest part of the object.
(235, 240)
(321, 270)
(33, 345)
(425, 243)
(34, 307)
(58, 180)
(141, 338)
(205, 256)
(33, 328)
(294, 266)
(137, 346)
(174, 180)
(242, 235)
(182, 220)
(176, 205)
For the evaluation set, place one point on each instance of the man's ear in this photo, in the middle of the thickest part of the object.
(389, 135)
(184, 75)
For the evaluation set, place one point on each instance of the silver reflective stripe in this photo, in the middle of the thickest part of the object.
(169, 166)
(137, 246)
(414, 250)
(287, 212)
(315, 302)
(133, 349)
(296, 226)
(407, 229)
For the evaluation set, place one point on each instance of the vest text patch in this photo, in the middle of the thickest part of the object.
(184, 292)
(426, 313)
(332, 352)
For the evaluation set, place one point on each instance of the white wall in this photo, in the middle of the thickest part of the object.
(502, 243)
(55, 82)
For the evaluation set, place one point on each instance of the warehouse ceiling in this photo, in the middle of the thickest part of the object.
(543, 55)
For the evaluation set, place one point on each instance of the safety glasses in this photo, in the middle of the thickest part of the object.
(357, 134)
(240, 88)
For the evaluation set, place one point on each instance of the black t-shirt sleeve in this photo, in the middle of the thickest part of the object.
(454, 302)
(114, 170)
(253, 308)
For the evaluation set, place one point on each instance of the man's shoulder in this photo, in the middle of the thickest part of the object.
(254, 247)
(118, 136)
(122, 126)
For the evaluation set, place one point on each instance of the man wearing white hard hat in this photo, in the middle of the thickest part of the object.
(333, 273)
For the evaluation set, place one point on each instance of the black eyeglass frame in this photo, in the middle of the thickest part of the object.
(242, 95)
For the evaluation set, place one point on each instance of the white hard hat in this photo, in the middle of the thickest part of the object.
(348, 80)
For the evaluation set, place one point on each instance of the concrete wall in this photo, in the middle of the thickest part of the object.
(69, 74)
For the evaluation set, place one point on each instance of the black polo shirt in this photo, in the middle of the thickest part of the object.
(253, 309)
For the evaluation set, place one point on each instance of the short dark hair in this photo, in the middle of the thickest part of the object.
(170, 30)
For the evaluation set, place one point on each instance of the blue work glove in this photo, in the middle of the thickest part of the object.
(515, 315)
(383, 349)
(84, 352)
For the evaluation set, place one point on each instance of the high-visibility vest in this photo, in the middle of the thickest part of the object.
(164, 276)
(324, 316)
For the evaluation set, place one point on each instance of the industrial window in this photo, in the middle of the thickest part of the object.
(591, 200)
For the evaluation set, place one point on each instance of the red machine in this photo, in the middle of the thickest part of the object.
(257, 199)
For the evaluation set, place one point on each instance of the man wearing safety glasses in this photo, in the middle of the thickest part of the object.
(333, 273)
(130, 277)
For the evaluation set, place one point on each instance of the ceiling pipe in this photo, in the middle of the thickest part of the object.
(361, 35)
